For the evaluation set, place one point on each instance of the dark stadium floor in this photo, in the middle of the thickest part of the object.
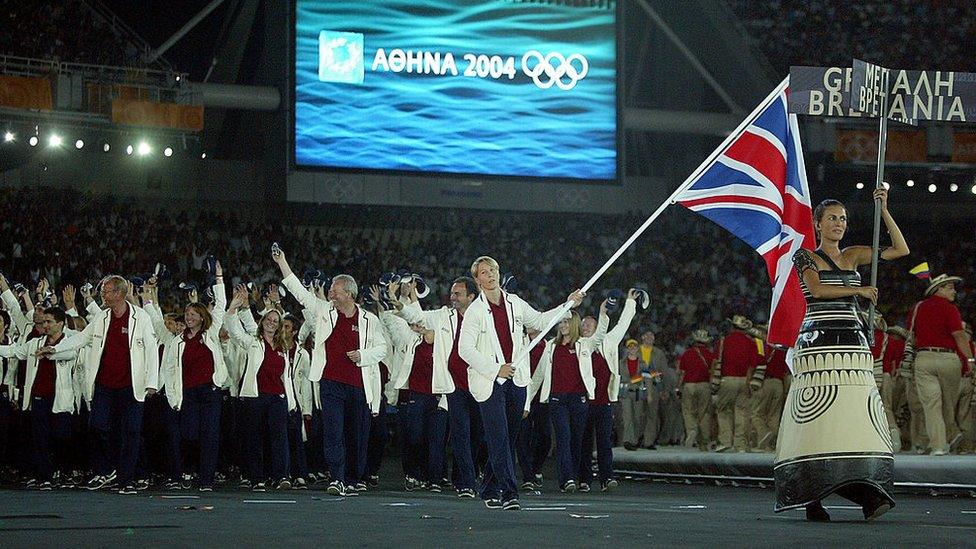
(639, 513)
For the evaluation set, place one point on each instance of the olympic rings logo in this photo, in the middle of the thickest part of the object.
(554, 68)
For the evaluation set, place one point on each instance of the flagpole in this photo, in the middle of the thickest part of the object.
(878, 184)
(670, 200)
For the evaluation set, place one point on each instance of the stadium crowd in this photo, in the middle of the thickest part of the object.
(237, 422)
(50, 29)
(896, 34)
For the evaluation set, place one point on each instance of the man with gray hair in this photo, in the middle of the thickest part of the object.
(349, 346)
(121, 368)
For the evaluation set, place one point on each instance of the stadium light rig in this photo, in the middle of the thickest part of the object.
(32, 141)
(910, 183)
(79, 144)
(168, 152)
(859, 185)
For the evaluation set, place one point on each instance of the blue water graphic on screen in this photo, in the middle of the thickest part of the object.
(498, 87)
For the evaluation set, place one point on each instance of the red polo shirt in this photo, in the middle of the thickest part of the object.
(422, 371)
(739, 354)
(935, 321)
(776, 366)
(500, 318)
(896, 348)
(47, 374)
(271, 371)
(535, 355)
(115, 370)
(344, 338)
(455, 365)
(695, 362)
(601, 372)
(198, 362)
(566, 376)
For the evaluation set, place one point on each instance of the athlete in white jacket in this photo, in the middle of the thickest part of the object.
(349, 346)
(490, 339)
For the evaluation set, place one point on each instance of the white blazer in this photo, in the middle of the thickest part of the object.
(584, 347)
(372, 345)
(610, 348)
(20, 323)
(171, 370)
(478, 343)
(406, 342)
(253, 358)
(143, 350)
(64, 390)
(445, 322)
(301, 386)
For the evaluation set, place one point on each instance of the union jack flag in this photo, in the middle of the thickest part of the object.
(755, 186)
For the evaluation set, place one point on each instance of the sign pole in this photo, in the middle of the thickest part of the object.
(878, 184)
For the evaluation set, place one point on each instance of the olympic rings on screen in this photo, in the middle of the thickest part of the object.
(545, 73)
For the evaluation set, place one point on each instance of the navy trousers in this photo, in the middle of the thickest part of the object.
(599, 428)
(379, 437)
(465, 429)
(535, 440)
(501, 417)
(568, 413)
(296, 446)
(426, 427)
(50, 433)
(345, 426)
(265, 418)
(199, 418)
(116, 422)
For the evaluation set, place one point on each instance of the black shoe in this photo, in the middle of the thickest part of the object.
(629, 447)
(350, 491)
(493, 503)
(283, 484)
(335, 489)
(877, 508)
(260, 487)
(142, 484)
(434, 487)
(528, 486)
(373, 481)
(466, 493)
(609, 485)
(583, 487)
(512, 505)
(128, 489)
(569, 486)
(817, 513)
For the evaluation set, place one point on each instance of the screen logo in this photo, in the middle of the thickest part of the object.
(547, 70)
(341, 57)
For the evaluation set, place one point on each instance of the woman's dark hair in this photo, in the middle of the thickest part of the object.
(819, 210)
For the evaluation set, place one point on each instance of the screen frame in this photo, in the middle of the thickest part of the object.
(294, 166)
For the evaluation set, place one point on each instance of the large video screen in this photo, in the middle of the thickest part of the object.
(521, 88)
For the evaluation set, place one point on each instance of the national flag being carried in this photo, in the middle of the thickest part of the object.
(755, 186)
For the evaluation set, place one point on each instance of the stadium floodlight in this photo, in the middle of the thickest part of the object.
(79, 144)
(910, 183)
(8, 136)
(973, 189)
(203, 156)
(953, 187)
(144, 149)
(168, 151)
(932, 188)
(106, 147)
(128, 150)
(54, 140)
(859, 185)
(32, 141)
